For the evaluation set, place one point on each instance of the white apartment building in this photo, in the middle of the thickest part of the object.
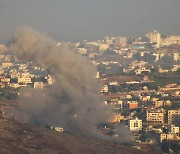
(135, 124)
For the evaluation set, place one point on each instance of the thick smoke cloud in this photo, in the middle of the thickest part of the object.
(72, 102)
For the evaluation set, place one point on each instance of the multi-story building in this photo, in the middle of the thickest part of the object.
(116, 118)
(158, 103)
(119, 117)
(173, 129)
(103, 46)
(14, 73)
(24, 80)
(154, 37)
(38, 85)
(173, 115)
(4, 79)
(167, 103)
(7, 64)
(155, 117)
(145, 98)
(135, 124)
(171, 136)
(119, 104)
(119, 40)
(14, 85)
(108, 40)
(174, 39)
(132, 104)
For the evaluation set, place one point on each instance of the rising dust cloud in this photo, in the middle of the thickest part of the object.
(72, 102)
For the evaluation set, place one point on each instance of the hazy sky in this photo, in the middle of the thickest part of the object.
(73, 20)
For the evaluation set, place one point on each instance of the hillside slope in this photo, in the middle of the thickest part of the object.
(23, 138)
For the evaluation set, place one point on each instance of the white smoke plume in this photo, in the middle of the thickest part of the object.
(72, 102)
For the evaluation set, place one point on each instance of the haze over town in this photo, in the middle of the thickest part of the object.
(102, 70)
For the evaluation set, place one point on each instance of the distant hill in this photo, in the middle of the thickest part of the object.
(23, 138)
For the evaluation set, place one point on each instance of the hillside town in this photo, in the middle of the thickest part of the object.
(140, 78)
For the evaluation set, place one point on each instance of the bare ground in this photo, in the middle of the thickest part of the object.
(20, 138)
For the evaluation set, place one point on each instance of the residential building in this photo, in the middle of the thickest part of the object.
(145, 98)
(116, 118)
(120, 40)
(132, 104)
(154, 37)
(119, 117)
(119, 104)
(135, 124)
(14, 85)
(24, 80)
(171, 136)
(173, 39)
(7, 64)
(158, 103)
(155, 117)
(173, 129)
(173, 115)
(5, 79)
(167, 103)
(38, 85)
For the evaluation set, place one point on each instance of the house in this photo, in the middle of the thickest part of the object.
(58, 129)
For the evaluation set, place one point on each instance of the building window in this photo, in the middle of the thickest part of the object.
(136, 124)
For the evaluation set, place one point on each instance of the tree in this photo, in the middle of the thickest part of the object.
(165, 146)
(143, 136)
(175, 147)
